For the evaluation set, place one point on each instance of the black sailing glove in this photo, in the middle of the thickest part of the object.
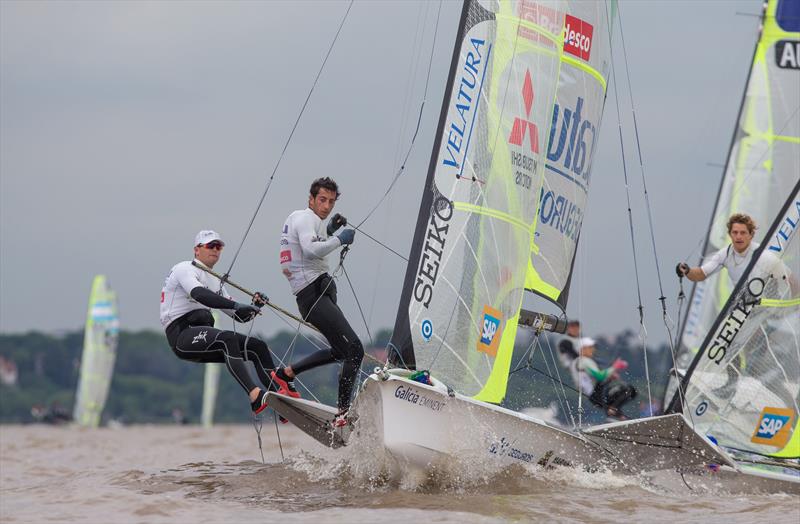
(335, 223)
(260, 299)
(245, 312)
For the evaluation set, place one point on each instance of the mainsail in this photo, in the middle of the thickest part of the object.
(99, 352)
(467, 270)
(762, 165)
(743, 387)
(574, 134)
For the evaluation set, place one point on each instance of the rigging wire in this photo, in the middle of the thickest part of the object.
(642, 330)
(289, 138)
(416, 130)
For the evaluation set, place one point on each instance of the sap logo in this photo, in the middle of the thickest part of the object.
(787, 229)
(559, 213)
(523, 126)
(577, 37)
(464, 104)
(491, 328)
(787, 54)
(435, 239)
(574, 147)
(770, 426)
(774, 427)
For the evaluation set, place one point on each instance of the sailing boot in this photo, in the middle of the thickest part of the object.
(260, 403)
(284, 383)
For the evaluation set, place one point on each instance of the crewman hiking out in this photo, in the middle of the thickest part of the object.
(304, 245)
(603, 386)
(188, 295)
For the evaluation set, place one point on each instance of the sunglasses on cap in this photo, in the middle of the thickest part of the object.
(214, 244)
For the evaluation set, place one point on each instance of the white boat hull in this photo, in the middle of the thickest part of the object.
(424, 426)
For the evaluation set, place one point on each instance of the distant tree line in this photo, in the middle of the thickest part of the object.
(149, 382)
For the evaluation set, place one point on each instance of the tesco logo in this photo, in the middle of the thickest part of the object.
(578, 37)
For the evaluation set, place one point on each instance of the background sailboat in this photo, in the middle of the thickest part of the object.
(762, 166)
(99, 353)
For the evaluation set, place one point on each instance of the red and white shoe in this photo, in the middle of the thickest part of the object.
(285, 387)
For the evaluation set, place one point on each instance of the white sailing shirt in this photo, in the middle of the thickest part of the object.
(304, 246)
(736, 263)
(175, 295)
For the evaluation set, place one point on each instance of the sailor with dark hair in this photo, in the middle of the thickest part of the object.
(569, 345)
(304, 245)
(188, 295)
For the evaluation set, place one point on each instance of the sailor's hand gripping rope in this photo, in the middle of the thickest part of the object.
(258, 298)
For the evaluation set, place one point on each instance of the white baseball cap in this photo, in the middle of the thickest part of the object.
(206, 236)
(586, 342)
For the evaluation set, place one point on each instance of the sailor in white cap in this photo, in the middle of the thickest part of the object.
(188, 295)
(602, 386)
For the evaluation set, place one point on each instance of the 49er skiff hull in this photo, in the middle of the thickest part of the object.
(426, 427)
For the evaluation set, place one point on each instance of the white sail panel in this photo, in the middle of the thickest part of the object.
(744, 391)
(473, 239)
(99, 353)
(574, 133)
(762, 166)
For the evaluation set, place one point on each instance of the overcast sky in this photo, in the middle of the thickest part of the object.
(126, 127)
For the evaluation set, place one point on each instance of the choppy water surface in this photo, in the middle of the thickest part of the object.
(188, 474)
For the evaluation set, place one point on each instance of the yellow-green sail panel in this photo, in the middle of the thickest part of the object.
(574, 132)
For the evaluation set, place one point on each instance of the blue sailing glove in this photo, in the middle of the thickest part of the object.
(346, 236)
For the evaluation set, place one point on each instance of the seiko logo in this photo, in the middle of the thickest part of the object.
(435, 238)
(733, 323)
(787, 54)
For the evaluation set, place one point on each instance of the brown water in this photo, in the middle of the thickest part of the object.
(153, 474)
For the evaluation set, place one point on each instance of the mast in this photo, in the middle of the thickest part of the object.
(401, 349)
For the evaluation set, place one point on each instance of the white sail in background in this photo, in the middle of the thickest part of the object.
(210, 391)
(210, 386)
(99, 353)
(763, 162)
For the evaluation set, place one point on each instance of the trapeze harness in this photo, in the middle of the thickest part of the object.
(304, 245)
(186, 299)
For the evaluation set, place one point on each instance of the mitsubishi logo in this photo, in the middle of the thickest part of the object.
(521, 126)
